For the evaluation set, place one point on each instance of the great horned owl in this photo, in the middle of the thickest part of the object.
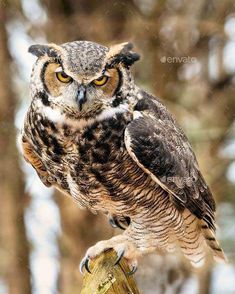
(91, 132)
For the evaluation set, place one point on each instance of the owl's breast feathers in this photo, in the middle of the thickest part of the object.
(76, 160)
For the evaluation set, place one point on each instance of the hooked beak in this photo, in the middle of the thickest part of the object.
(81, 96)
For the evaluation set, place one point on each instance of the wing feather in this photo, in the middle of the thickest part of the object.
(159, 146)
(31, 157)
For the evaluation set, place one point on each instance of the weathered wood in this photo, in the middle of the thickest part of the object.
(107, 278)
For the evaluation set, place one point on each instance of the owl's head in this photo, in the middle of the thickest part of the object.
(81, 78)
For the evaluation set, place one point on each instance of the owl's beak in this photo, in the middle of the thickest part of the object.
(81, 96)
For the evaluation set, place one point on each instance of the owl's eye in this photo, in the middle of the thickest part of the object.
(100, 81)
(62, 77)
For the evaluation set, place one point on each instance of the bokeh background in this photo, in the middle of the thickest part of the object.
(188, 59)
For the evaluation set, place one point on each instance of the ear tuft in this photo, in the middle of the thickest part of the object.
(121, 53)
(42, 50)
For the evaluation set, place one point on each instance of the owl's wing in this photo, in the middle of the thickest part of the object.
(31, 157)
(158, 145)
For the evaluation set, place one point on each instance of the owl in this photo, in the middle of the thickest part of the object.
(92, 133)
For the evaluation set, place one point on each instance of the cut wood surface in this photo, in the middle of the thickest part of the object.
(107, 278)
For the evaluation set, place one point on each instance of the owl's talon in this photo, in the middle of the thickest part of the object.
(85, 263)
(133, 270)
(120, 255)
(128, 220)
(115, 223)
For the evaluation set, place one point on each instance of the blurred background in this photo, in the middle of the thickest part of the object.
(188, 59)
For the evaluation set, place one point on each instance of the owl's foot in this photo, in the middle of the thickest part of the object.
(120, 244)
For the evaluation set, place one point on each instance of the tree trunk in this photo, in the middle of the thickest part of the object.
(14, 251)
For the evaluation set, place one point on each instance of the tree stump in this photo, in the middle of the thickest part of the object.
(107, 278)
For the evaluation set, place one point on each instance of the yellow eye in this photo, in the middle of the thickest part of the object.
(62, 77)
(101, 81)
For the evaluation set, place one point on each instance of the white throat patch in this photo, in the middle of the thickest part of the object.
(57, 117)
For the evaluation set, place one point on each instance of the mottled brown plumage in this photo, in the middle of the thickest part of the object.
(93, 134)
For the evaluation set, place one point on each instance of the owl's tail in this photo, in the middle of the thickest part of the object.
(212, 242)
(197, 239)
(192, 243)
